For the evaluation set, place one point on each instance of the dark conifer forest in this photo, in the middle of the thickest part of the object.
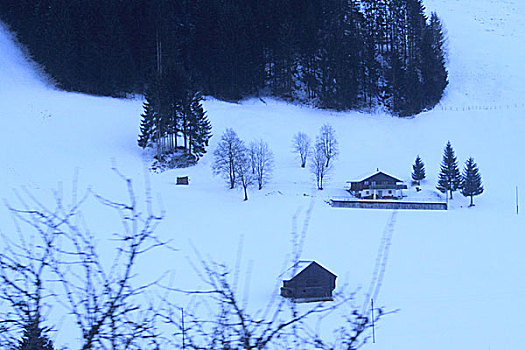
(337, 54)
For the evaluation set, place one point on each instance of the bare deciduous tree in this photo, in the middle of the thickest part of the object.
(25, 267)
(327, 142)
(319, 165)
(301, 145)
(261, 161)
(227, 155)
(60, 265)
(234, 161)
(244, 175)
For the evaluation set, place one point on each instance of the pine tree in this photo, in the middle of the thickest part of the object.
(433, 70)
(471, 181)
(147, 124)
(449, 177)
(340, 55)
(418, 172)
(33, 338)
(199, 131)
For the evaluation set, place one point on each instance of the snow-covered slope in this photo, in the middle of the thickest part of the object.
(456, 276)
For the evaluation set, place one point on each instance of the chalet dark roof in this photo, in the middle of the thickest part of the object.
(299, 267)
(380, 175)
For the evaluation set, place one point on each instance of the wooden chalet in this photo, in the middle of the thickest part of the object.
(377, 186)
(308, 282)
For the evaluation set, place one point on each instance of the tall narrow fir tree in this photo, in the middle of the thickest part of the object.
(449, 177)
(418, 170)
(471, 181)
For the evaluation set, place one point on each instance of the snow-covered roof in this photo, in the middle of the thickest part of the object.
(300, 266)
(295, 269)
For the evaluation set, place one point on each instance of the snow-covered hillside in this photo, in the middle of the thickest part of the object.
(456, 276)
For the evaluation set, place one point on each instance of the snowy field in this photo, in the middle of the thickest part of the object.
(456, 276)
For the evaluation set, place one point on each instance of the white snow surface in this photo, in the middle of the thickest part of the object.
(456, 276)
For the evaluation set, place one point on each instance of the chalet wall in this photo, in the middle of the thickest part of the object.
(386, 204)
(391, 193)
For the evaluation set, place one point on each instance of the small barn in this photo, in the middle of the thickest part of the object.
(308, 281)
(183, 180)
(377, 186)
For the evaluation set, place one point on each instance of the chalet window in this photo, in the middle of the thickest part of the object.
(367, 183)
(373, 183)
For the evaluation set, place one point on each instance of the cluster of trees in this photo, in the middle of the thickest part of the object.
(171, 111)
(320, 153)
(246, 165)
(240, 164)
(450, 178)
(53, 272)
(339, 54)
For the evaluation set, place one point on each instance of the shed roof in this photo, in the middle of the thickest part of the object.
(299, 267)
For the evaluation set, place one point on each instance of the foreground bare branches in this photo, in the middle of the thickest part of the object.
(56, 270)
(56, 257)
(219, 317)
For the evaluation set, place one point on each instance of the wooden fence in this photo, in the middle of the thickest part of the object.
(386, 204)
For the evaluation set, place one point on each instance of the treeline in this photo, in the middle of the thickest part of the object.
(340, 54)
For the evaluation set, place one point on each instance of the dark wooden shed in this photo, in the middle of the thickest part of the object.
(183, 180)
(308, 282)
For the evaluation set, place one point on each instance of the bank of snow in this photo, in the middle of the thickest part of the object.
(456, 276)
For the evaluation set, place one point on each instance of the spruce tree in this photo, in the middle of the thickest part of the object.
(418, 172)
(449, 177)
(199, 130)
(147, 124)
(33, 338)
(471, 181)
(433, 72)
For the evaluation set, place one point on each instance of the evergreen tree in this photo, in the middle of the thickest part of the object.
(147, 124)
(449, 177)
(33, 338)
(284, 69)
(167, 111)
(471, 181)
(396, 82)
(157, 117)
(199, 131)
(340, 55)
(418, 170)
(433, 72)
(417, 23)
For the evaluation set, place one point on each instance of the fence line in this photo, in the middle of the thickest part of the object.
(481, 107)
(387, 204)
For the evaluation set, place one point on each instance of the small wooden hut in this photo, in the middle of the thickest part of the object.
(183, 180)
(308, 282)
